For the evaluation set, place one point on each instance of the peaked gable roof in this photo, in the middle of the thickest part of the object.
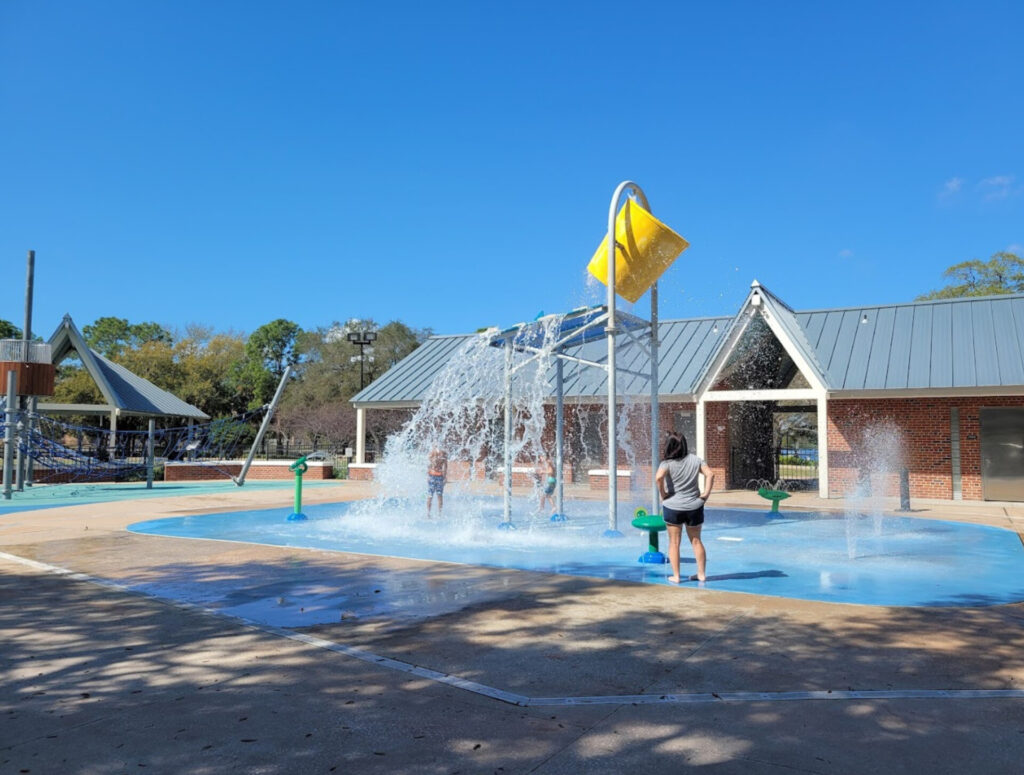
(123, 390)
(794, 332)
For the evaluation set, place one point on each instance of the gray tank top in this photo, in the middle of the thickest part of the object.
(685, 487)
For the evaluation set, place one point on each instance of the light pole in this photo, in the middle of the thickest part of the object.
(362, 338)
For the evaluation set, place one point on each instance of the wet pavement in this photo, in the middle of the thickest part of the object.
(99, 678)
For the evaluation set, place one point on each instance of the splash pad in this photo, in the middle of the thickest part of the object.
(487, 408)
(908, 562)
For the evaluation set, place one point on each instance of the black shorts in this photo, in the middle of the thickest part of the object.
(691, 518)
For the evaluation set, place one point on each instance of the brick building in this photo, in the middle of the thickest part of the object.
(837, 400)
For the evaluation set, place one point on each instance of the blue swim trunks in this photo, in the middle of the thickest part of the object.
(435, 484)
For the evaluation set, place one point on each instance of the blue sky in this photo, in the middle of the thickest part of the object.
(450, 164)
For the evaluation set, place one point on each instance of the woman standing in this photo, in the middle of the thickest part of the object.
(683, 502)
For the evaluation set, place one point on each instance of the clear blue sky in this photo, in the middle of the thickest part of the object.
(450, 164)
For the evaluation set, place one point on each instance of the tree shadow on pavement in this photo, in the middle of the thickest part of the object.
(97, 680)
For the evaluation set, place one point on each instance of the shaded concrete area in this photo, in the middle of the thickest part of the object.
(99, 680)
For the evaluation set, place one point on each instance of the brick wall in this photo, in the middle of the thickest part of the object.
(716, 441)
(600, 481)
(193, 472)
(869, 440)
(361, 472)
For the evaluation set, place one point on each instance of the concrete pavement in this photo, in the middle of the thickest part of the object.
(98, 678)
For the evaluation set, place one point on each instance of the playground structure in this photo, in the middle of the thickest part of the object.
(636, 250)
(69, 452)
(36, 441)
(27, 372)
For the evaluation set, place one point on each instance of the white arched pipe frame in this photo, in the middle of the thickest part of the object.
(610, 330)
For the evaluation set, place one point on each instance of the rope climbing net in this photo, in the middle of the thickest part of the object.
(70, 453)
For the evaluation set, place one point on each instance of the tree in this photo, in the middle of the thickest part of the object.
(110, 336)
(9, 331)
(207, 362)
(75, 386)
(1001, 274)
(317, 405)
(274, 345)
(269, 350)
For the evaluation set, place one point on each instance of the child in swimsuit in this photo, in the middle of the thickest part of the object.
(546, 469)
(437, 475)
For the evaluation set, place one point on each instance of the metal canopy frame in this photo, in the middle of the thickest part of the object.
(579, 326)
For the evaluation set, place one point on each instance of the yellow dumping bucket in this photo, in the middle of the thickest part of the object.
(644, 249)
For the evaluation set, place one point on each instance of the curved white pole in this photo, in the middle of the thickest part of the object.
(610, 331)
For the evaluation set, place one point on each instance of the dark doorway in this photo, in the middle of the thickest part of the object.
(773, 444)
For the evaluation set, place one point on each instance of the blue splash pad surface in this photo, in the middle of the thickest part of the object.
(867, 560)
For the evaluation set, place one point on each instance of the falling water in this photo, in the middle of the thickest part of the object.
(462, 414)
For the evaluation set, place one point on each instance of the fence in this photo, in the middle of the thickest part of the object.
(20, 351)
(751, 468)
(796, 465)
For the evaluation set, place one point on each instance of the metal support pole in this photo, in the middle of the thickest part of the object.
(26, 332)
(19, 443)
(150, 449)
(613, 470)
(112, 447)
(559, 435)
(508, 435)
(655, 456)
(610, 330)
(33, 408)
(9, 420)
(240, 479)
(24, 458)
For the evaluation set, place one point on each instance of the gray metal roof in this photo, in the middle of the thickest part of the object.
(687, 346)
(943, 345)
(409, 379)
(139, 396)
(123, 390)
(946, 344)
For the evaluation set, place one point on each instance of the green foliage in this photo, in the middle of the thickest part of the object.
(206, 362)
(794, 460)
(75, 386)
(9, 331)
(224, 374)
(269, 350)
(273, 346)
(316, 406)
(110, 336)
(1001, 274)
(227, 434)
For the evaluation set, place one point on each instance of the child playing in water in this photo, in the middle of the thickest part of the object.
(546, 477)
(437, 475)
